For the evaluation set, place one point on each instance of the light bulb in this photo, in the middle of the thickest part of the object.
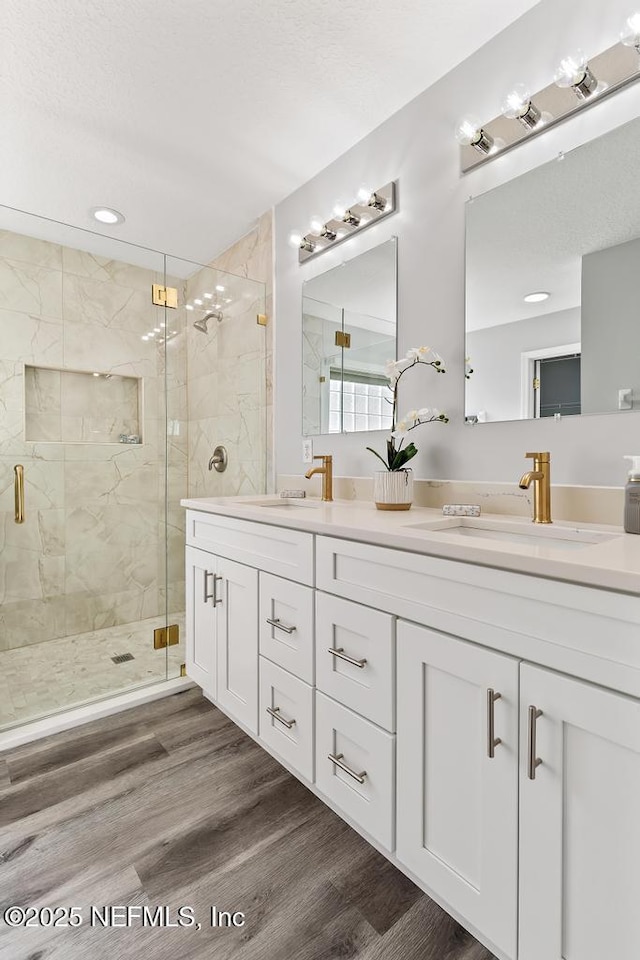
(97, 374)
(188, 306)
(517, 105)
(156, 330)
(574, 72)
(571, 69)
(469, 133)
(630, 33)
(364, 194)
(207, 296)
(315, 225)
(198, 303)
(142, 338)
(220, 288)
(339, 211)
(295, 239)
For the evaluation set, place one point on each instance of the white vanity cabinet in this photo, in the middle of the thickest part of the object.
(237, 642)
(200, 653)
(415, 695)
(457, 771)
(579, 820)
(222, 632)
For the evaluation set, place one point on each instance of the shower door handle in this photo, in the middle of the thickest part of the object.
(18, 488)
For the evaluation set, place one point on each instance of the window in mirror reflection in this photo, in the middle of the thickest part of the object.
(553, 259)
(348, 335)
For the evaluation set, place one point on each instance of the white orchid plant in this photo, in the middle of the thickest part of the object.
(398, 454)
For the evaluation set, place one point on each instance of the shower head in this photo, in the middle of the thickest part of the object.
(201, 324)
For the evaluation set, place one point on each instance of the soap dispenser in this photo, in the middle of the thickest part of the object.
(632, 497)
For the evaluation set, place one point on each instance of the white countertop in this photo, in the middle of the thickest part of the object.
(613, 564)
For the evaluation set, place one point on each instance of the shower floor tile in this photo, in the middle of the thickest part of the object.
(45, 678)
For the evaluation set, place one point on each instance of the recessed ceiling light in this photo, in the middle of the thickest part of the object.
(107, 215)
(537, 296)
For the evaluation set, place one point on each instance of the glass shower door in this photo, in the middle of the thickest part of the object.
(82, 412)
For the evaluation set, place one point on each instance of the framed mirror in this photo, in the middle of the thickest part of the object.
(349, 331)
(552, 266)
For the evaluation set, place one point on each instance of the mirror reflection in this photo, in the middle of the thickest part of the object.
(348, 334)
(553, 259)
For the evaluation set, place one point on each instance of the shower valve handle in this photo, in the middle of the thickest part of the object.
(219, 460)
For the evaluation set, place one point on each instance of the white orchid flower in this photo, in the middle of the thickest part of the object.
(413, 353)
(411, 416)
(424, 413)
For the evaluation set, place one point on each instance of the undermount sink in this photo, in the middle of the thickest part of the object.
(283, 503)
(550, 536)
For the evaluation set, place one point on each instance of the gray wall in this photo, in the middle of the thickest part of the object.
(495, 356)
(610, 327)
(416, 146)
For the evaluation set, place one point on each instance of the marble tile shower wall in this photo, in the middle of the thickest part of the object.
(230, 399)
(91, 553)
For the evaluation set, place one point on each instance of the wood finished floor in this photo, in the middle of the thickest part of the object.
(170, 803)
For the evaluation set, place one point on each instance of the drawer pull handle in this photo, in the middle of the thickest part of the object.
(534, 761)
(275, 622)
(337, 762)
(275, 713)
(341, 655)
(492, 740)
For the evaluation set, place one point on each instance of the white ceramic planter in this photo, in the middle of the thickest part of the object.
(393, 489)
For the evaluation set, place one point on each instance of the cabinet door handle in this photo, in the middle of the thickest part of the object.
(18, 489)
(534, 761)
(216, 599)
(341, 655)
(275, 622)
(206, 595)
(337, 762)
(492, 740)
(275, 713)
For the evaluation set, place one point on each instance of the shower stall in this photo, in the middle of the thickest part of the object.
(111, 405)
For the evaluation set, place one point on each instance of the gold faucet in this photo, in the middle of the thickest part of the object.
(326, 470)
(540, 476)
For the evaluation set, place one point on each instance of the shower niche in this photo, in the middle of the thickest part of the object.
(71, 406)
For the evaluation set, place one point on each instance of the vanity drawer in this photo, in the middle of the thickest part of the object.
(286, 553)
(369, 754)
(288, 729)
(355, 657)
(286, 625)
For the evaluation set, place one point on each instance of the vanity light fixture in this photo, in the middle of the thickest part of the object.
(517, 105)
(574, 71)
(107, 216)
(537, 297)
(579, 83)
(369, 207)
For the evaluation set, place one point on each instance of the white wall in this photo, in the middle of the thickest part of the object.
(416, 146)
(495, 354)
(611, 331)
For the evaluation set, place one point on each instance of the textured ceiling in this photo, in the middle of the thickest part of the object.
(194, 117)
(531, 233)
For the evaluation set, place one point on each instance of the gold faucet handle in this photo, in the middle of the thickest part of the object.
(326, 458)
(543, 455)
